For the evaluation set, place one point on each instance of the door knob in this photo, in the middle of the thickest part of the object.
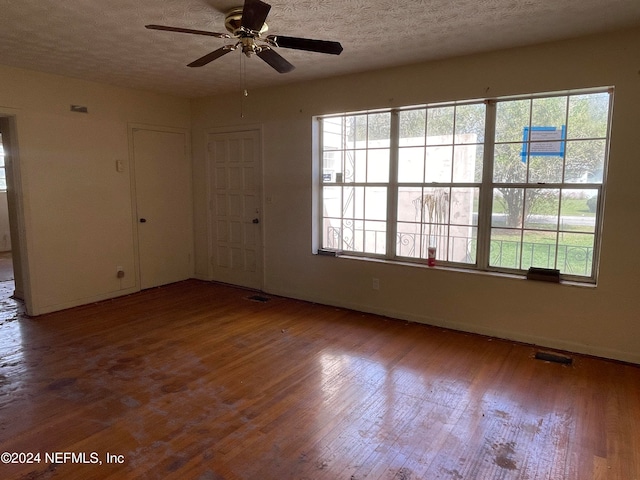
(255, 220)
(143, 220)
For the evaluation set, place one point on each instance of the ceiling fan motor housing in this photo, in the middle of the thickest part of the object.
(233, 23)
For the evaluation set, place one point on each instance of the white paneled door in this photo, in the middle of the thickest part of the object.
(235, 207)
(163, 206)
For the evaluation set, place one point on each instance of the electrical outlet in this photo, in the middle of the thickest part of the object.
(119, 271)
(375, 284)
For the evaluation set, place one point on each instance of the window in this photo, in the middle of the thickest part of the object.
(501, 185)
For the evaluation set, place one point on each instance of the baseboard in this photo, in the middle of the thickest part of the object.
(42, 310)
(521, 337)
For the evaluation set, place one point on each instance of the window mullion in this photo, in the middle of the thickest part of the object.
(601, 188)
(392, 190)
(486, 190)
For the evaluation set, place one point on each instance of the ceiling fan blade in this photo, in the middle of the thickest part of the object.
(187, 30)
(274, 59)
(210, 57)
(320, 46)
(254, 14)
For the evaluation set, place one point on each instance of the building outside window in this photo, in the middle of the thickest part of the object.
(497, 185)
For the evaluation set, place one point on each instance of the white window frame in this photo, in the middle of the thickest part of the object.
(486, 189)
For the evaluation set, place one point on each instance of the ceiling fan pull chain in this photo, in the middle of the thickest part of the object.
(243, 80)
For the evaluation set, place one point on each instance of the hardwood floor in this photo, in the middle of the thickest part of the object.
(194, 380)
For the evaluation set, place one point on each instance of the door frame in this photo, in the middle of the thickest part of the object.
(131, 128)
(251, 127)
(16, 204)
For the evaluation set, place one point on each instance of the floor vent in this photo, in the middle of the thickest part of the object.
(554, 357)
(259, 298)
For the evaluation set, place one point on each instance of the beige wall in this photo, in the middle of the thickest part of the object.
(5, 236)
(604, 320)
(77, 207)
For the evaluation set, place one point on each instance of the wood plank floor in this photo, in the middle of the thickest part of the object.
(194, 380)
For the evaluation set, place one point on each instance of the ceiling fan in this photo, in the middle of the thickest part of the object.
(247, 25)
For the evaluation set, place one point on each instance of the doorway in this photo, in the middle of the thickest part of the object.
(235, 208)
(163, 202)
(13, 272)
(6, 266)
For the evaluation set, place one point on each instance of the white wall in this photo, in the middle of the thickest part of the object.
(78, 208)
(604, 320)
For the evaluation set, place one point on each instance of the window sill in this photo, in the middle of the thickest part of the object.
(451, 268)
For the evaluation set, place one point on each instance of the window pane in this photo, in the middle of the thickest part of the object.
(511, 118)
(411, 165)
(332, 201)
(332, 133)
(463, 243)
(353, 202)
(578, 210)
(409, 204)
(464, 206)
(412, 127)
(467, 163)
(346, 170)
(352, 235)
(375, 237)
(470, 123)
(349, 139)
(331, 236)
(375, 203)
(438, 236)
(545, 169)
(356, 131)
(588, 116)
(549, 112)
(508, 166)
(409, 241)
(435, 205)
(440, 126)
(505, 248)
(538, 249)
(378, 166)
(356, 166)
(585, 161)
(332, 213)
(541, 208)
(508, 207)
(379, 130)
(438, 164)
(331, 166)
(575, 254)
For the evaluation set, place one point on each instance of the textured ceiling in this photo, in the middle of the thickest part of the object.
(106, 41)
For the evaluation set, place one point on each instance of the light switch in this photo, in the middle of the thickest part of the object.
(119, 166)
